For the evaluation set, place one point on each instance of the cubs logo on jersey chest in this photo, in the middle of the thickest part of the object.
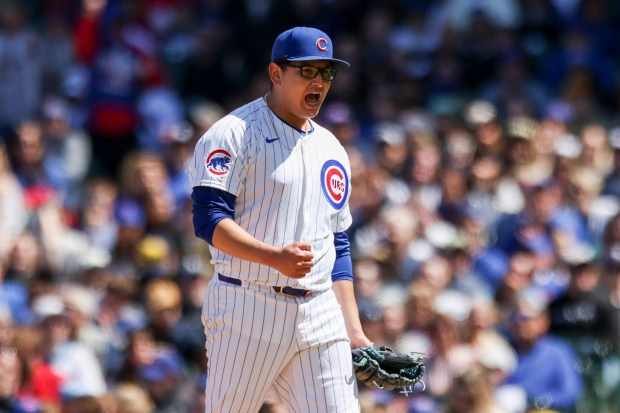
(335, 183)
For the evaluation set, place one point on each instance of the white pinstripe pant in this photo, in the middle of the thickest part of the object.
(256, 338)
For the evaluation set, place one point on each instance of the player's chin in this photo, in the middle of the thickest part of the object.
(311, 113)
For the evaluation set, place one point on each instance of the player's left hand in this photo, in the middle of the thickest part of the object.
(381, 368)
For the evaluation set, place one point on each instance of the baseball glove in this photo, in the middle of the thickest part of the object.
(381, 368)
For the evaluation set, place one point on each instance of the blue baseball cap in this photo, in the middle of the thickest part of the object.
(305, 43)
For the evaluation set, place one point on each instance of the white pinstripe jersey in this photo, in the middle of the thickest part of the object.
(290, 187)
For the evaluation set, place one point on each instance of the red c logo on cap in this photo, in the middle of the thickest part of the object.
(321, 43)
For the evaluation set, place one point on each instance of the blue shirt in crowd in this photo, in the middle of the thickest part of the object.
(548, 374)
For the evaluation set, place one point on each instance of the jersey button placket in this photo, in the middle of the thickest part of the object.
(307, 183)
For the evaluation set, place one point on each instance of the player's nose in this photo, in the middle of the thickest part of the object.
(318, 80)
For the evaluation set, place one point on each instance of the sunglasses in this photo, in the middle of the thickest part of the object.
(310, 72)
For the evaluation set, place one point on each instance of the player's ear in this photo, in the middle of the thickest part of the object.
(275, 73)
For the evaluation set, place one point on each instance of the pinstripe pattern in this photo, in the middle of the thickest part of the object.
(278, 189)
(256, 338)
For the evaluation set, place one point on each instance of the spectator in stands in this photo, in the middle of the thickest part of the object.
(40, 380)
(140, 351)
(472, 392)
(98, 220)
(482, 118)
(611, 284)
(13, 214)
(24, 266)
(12, 378)
(81, 307)
(27, 155)
(567, 315)
(447, 358)
(76, 363)
(583, 317)
(164, 304)
(555, 382)
(176, 139)
(21, 72)
(14, 303)
(132, 398)
(612, 179)
(68, 151)
(192, 280)
(162, 379)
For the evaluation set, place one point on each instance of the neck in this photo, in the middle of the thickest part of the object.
(279, 109)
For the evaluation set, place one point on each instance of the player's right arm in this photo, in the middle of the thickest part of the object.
(294, 260)
(213, 219)
(216, 174)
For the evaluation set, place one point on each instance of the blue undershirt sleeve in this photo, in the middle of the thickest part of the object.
(209, 207)
(343, 267)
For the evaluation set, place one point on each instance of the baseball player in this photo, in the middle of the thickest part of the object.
(270, 195)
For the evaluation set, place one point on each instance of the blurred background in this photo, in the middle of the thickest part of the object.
(484, 138)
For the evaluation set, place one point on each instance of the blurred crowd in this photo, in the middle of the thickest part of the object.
(484, 138)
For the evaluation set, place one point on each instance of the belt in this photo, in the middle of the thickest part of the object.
(294, 292)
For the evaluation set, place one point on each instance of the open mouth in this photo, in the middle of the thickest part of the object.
(312, 99)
